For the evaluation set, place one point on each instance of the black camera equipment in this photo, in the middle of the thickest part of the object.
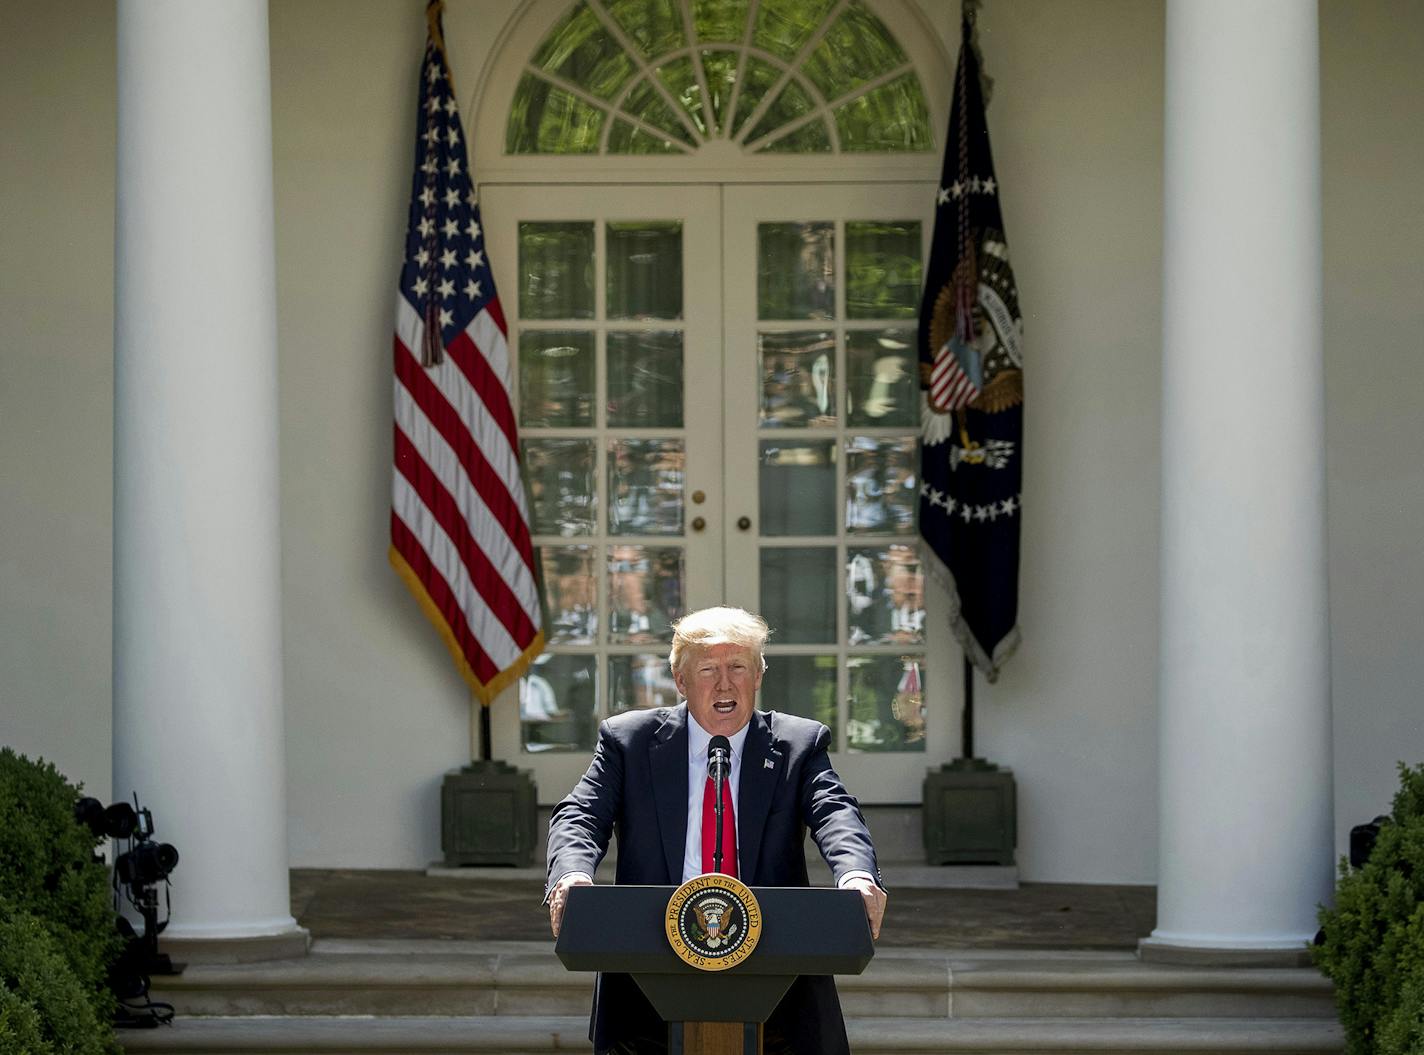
(1362, 840)
(138, 870)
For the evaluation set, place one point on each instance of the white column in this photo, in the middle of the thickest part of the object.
(198, 727)
(1246, 844)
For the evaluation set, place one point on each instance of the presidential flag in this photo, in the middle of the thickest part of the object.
(460, 534)
(971, 377)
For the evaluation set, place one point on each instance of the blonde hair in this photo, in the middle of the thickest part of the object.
(717, 626)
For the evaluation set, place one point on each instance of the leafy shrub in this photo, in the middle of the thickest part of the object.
(1373, 944)
(50, 883)
(20, 1032)
(44, 1007)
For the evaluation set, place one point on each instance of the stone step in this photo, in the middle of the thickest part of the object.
(525, 979)
(518, 1035)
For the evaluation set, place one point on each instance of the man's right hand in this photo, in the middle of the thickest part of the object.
(559, 896)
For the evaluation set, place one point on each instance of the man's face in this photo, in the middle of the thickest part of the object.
(720, 685)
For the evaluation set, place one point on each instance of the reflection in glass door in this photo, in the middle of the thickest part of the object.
(611, 297)
(719, 401)
(822, 422)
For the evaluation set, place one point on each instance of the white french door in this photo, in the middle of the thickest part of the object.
(718, 401)
(821, 299)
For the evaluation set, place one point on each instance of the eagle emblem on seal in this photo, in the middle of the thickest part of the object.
(716, 921)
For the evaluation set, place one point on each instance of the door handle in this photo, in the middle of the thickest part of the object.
(744, 523)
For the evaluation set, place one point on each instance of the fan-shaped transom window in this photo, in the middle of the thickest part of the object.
(666, 76)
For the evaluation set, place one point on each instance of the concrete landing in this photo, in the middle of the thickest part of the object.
(488, 904)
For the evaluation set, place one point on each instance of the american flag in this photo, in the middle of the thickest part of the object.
(459, 517)
(951, 388)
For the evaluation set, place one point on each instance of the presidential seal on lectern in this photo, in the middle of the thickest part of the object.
(713, 922)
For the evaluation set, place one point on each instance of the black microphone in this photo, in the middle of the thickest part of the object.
(719, 767)
(719, 758)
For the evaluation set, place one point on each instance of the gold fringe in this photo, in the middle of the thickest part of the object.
(484, 692)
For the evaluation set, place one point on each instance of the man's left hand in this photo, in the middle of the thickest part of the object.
(874, 899)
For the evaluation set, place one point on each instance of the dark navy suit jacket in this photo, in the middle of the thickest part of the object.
(636, 787)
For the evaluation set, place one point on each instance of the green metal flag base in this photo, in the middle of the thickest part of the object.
(970, 813)
(488, 815)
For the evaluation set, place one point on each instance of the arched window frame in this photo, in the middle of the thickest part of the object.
(717, 161)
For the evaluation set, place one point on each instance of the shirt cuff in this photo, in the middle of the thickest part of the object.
(858, 873)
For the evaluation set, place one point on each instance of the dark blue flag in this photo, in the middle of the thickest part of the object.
(971, 374)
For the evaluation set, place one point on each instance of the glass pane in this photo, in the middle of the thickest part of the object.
(793, 102)
(548, 120)
(802, 685)
(721, 70)
(798, 488)
(798, 594)
(757, 80)
(654, 25)
(555, 379)
(724, 21)
(882, 378)
(881, 489)
(647, 104)
(624, 138)
(882, 269)
(555, 270)
(796, 276)
(640, 682)
(645, 487)
(558, 704)
(680, 78)
(811, 138)
(581, 50)
(560, 476)
(886, 709)
(891, 118)
(798, 385)
(856, 48)
(782, 26)
(885, 595)
(571, 592)
(644, 593)
(645, 379)
(645, 270)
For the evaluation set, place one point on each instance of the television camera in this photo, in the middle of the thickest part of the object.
(138, 870)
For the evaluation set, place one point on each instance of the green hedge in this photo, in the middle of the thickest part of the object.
(1373, 942)
(45, 1006)
(57, 936)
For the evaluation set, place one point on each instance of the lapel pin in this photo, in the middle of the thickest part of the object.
(767, 763)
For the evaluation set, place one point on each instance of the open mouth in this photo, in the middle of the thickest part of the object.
(724, 706)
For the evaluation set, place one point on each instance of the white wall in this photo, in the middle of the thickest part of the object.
(1372, 112)
(1075, 120)
(57, 112)
(375, 713)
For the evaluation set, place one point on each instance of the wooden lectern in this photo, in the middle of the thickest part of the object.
(805, 930)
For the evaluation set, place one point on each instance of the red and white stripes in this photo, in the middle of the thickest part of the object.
(459, 519)
(950, 387)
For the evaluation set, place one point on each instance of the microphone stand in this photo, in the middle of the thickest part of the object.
(719, 775)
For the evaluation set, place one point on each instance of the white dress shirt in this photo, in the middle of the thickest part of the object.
(697, 740)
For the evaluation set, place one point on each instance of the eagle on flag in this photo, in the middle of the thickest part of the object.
(971, 376)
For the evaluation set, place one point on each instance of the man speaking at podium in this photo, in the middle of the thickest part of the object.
(648, 782)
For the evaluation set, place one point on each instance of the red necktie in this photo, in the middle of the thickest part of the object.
(709, 828)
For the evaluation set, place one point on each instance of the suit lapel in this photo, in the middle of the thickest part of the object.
(761, 768)
(667, 757)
